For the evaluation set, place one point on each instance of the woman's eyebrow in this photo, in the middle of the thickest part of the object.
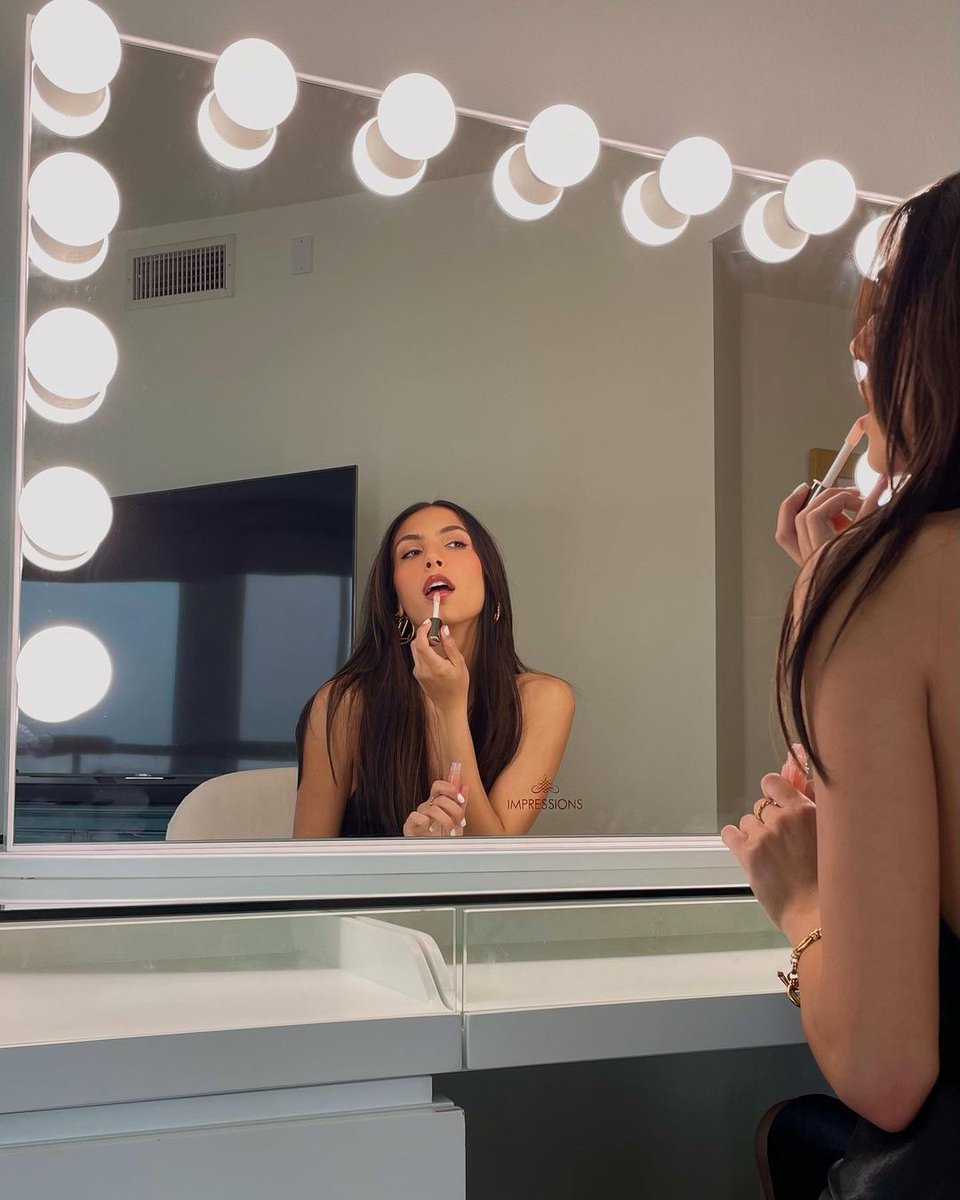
(418, 537)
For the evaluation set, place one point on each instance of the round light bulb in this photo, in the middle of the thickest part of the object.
(65, 512)
(860, 370)
(518, 191)
(380, 168)
(75, 45)
(255, 83)
(230, 144)
(71, 354)
(47, 563)
(866, 479)
(416, 116)
(646, 215)
(73, 199)
(62, 671)
(767, 234)
(695, 176)
(820, 196)
(866, 246)
(64, 264)
(562, 145)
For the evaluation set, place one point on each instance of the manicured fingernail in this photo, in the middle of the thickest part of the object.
(463, 822)
(426, 622)
(801, 487)
(446, 631)
(460, 797)
(453, 833)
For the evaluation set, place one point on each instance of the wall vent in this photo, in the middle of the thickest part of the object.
(180, 272)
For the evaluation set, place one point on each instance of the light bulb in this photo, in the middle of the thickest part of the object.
(695, 176)
(64, 262)
(230, 144)
(766, 232)
(255, 83)
(647, 216)
(71, 357)
(518, 191)
(62, 671)
(73, 199)
(416, 116)
(866, 479)
(65, 512)
(866, 246)
(562, 145)
(380, 168)
(75, 45)
(62, 112)
(860, 370)
(47, 562)
(820, 196)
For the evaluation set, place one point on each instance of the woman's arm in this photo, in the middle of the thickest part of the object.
(548, 706)
(320, 800)
(869, 987)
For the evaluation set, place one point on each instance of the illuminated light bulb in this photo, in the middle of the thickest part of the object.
(62, 672)
(860, 370)
(255, 84)
(695, 176)
(380, 168)
(68, 263)
(65, 513)
(562, 145)
(647, 216)
(416, 116)
(230, 144)
(820, 196)
(518, 191)
(73, 199)
(866, 479)
(76, 51)
(866, 246)
(767, 234)
(47, 562)
(71, 357)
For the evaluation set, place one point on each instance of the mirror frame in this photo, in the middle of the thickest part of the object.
(408, 870)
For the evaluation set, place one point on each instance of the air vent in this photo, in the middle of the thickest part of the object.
(185, 271)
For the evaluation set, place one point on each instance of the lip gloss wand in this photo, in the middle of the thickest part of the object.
(433, 637)
(850, 443)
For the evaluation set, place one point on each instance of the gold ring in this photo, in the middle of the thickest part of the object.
(763, 805)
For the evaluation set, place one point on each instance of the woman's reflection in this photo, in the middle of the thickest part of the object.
(377, 741)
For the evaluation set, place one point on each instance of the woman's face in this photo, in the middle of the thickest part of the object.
(861, 348)
(434, 541)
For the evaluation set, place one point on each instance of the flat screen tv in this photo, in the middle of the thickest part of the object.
(223, 608)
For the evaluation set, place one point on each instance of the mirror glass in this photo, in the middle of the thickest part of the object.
(300, 360)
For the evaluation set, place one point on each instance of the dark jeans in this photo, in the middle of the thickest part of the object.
(805, 1138)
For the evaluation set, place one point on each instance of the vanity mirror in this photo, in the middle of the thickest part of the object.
(273, 360)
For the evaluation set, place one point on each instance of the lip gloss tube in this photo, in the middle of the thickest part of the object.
(433, 637)
(850, 443)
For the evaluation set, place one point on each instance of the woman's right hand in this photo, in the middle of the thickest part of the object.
(441, 815)
(801, 531)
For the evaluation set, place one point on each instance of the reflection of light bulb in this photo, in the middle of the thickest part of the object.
(75, 45)
(71, 356)
(416, 116)
(228, 143)
(381, 169)
(64, 262)
(647, 216)
(866, 245)
(860, 370)
(62, 671)
(62, 112)
(820, 196)
(255, 83)
(65, 512)
(695, 175)
(562, 145)
(766, 232)
(73, 199)
(518, 191)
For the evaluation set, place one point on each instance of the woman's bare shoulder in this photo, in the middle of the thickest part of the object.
(542, 687)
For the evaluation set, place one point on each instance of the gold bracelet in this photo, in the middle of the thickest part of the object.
(793, 979)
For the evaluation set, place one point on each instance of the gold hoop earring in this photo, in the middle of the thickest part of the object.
(405, 628)
(496, 615)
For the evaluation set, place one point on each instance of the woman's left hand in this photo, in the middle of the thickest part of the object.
(779, 852)
(445, 680)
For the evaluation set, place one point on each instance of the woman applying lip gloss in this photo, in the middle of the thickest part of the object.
(422, 739)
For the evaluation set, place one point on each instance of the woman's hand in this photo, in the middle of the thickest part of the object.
(801, 531)
(439, 816)
(778, 853)
(445, 680)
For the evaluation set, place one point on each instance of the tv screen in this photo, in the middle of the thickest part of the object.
(223, 608)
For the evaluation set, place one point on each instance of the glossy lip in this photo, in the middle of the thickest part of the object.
(434, 578)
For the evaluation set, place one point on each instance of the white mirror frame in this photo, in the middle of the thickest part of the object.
(395, 869)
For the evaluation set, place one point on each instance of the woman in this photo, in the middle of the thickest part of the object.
(869, 851)
(377, 741)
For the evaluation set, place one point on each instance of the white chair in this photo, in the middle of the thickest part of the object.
(242, 806)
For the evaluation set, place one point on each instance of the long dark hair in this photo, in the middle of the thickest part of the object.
(392, 764)
(914, 372)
